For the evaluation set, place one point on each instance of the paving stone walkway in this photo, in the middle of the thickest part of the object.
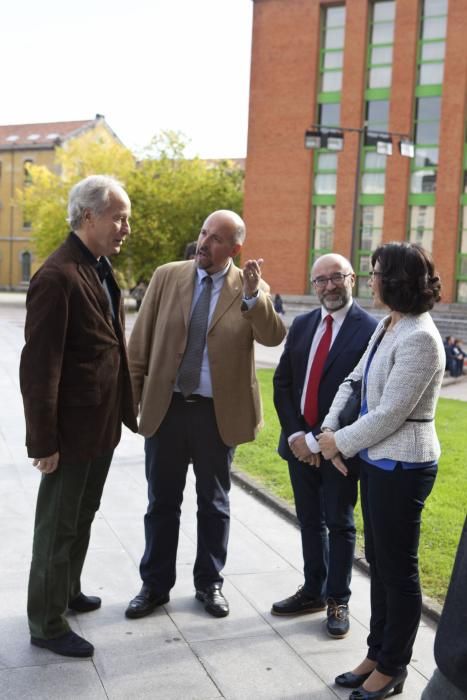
(179, 652)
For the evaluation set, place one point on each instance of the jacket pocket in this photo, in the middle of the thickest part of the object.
(80, 397)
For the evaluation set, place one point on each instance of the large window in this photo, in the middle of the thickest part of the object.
(425, 164)
(329, 99)
(26, 266)
(332, 49)
(371, 234)
(380, 48)
(424, 167)
(432, 42)
(421, 226)
(372, 164)
(323, 228)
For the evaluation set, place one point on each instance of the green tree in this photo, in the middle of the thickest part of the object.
(171, 196)
(44, 200)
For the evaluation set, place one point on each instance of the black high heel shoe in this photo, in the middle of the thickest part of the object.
(396, 684)
(351, 680)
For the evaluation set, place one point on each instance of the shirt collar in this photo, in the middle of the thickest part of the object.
(102, 266)
(216, 276)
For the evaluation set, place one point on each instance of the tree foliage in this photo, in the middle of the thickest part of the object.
(170, 194)
(45, 199)
(171, 197)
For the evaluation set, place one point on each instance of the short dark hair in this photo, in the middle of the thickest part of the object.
(409, 283)
(190, 250)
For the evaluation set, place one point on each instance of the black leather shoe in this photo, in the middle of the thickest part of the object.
(396, 684)
(145, 602)
(214, 601)
(351, 680)
(68, 644)
(299, 603)
(338, 623)
(85, 603)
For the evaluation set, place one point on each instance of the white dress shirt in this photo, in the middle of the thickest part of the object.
(338, 318)
(205, 385)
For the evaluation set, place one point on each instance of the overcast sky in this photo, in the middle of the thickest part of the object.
(146, 65)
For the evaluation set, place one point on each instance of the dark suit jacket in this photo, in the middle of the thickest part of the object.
(74, 371)
(451, 638)
(289, 378)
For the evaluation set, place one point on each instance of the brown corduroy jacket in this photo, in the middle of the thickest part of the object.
(74, 370)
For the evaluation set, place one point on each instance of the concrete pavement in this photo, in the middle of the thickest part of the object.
(179, 652)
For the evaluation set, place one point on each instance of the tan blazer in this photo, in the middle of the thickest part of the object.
(159, 338)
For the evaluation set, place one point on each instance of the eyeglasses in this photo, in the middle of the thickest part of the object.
(375, 273)
(338, 279)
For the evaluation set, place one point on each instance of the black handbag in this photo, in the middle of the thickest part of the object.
(351, 410)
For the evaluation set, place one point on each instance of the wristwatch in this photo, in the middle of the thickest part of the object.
(251, 296)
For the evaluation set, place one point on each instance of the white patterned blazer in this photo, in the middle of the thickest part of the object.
(403, 384)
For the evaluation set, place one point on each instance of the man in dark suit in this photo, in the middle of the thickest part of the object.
(322, 347)
(76, 391)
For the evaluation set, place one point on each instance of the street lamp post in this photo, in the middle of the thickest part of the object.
(332, 138)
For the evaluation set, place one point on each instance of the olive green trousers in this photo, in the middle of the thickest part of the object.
(67, 502)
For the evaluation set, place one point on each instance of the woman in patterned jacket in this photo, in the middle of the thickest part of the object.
(401, 372)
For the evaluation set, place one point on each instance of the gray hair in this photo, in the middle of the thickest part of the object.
(93, 194)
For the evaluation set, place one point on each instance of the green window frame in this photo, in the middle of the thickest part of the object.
(332, 56)
(382, 22)
(431, 44)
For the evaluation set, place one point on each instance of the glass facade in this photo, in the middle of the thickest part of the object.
(424, 168)
(373, 165)
(329, 99)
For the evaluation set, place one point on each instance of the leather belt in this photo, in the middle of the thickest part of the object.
(192, 398)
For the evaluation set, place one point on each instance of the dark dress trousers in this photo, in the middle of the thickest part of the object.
(324, 498)
(76, 391)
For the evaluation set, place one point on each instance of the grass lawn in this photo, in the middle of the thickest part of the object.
(445, 509)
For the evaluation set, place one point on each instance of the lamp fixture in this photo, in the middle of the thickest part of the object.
(407, 148)
(312, 139)
(335, 141)
(384, 146)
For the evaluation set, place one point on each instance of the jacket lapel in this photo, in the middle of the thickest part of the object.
(186, 283)
(348, 329)
(231, 290)
(310, 330)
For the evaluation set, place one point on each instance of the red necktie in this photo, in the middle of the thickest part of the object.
(311, 398)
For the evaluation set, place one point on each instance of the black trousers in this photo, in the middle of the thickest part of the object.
(188, 432)
(66, 505)
(392, 504)
(324, 503)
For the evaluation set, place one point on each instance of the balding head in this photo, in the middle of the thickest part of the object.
(333, 278)
(220, 239)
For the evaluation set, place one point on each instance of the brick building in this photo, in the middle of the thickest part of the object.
(20, 146)
(395, 66)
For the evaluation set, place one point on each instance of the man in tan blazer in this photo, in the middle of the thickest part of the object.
(76, 391)
(198, 396)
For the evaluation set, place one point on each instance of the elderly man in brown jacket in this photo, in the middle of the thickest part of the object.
(76, 391)
(192, 366)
